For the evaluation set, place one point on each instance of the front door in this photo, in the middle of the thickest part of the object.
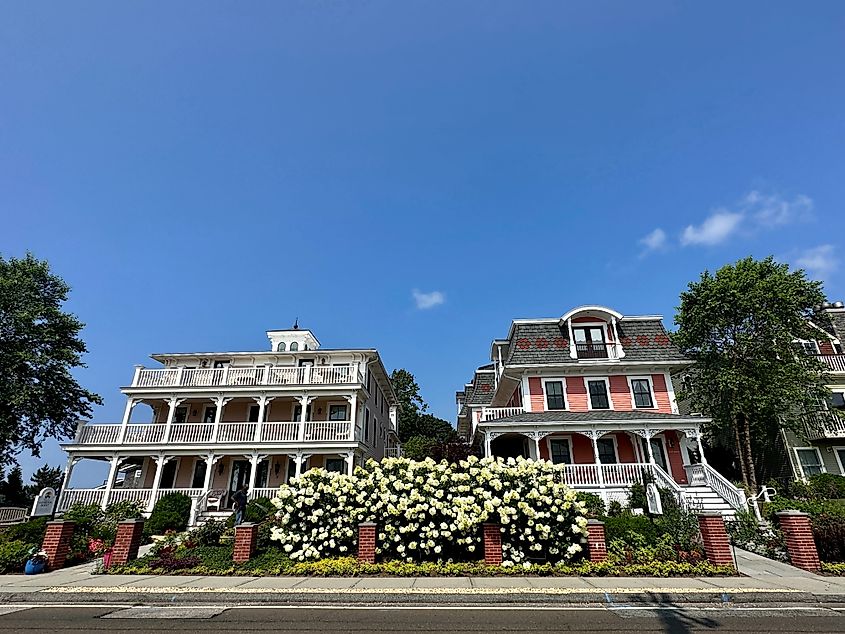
(239, 478)
(209, 414)
(168, 474)
(659, 451)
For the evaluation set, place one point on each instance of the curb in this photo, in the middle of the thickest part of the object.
(445, 596)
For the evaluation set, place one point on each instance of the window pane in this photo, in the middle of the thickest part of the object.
(334, 464)
(810, 463)
(560, 451)
(642, 393)
(596, 335)
(607, 451)
(598, 395)
(580, 335)
(837, 400)
(337, 412)
(554, 395)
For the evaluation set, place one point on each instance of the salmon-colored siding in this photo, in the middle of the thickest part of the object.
(582, 450)
(620, 392)
(576, 394)
(625, 448)
(661, 393)
(535, 390)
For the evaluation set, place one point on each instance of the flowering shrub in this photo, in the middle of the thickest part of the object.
(763, 539)
(430, 511)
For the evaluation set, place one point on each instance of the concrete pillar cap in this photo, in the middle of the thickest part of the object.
(367, 524)
(245, 525)
(792, 513)
(710, 514)
(594, 522)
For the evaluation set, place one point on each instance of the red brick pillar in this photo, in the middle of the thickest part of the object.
(596, 540)
(717, 545)
(492, 545)
(127, 542)
(57, 542)
(246, 536)
(367, 542)
(799, 539)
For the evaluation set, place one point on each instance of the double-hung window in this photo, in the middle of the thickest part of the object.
(811, 462)
(554, 395)
(337, 412)
(607, 451)
(561, 453)
(642, 393)
(598, 394)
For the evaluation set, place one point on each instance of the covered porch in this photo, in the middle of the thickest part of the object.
(209, 479)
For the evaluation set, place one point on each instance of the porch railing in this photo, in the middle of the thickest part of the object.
(494, 413)
(702, 474)
(596, 350)
(147, 497)
(264, 492)
(203, 433)
(69, 497)
(834, 362)
(248, 376)
(825, 424)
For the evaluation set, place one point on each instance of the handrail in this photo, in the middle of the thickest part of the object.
(664, 480)
(721, 485)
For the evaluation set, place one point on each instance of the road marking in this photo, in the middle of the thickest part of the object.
(12, 609)
(157, 612)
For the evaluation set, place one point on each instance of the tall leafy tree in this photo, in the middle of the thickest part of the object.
(39, 346)
(12, 490)
(740, 325)
(414, 421)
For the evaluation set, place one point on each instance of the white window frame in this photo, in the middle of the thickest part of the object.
(329, 407)
(612, 437)
(839, 461)
(804, 342)
(562, 381)
(568, 439)
(801, 466)
(631, 380)
(606, 380)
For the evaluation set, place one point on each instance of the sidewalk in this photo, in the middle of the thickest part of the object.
(765, 582)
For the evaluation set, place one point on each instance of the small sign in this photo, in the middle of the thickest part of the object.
(652, 495)
(44, 503)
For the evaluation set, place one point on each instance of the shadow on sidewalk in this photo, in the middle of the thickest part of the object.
(677, 619)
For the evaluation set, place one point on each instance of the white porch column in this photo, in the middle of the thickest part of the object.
(487, 442)
(172, 404)
(534, 447)
(254, 460)
(304, 401)
(210, 461)
(71, 463)
(594, 437)
(649, 448)
(300, 459)
(160, 462)
(127, 414)
(350, 462)
(219, 404)
(114, 463)
(700, 448)
(353, 414)
(262, 414)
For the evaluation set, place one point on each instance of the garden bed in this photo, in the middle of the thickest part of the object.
(217, 561)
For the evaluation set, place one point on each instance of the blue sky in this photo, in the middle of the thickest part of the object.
(408, 175)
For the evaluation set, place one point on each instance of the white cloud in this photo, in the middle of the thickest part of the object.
(428, 300)
(819, 261)
(654, 241)
(717, 228)
(770, 211)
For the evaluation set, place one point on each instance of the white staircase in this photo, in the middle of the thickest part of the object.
(703, 498)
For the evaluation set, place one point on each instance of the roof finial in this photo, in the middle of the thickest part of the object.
(296, 324)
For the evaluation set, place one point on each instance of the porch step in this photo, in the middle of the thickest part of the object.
(205, 516)
(704, 498)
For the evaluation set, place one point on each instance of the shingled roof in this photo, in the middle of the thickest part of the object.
(535, 342)
(483, 386)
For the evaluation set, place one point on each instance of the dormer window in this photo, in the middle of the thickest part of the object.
(590, 342)
(281, 347)
(294, 347)
(809, 347)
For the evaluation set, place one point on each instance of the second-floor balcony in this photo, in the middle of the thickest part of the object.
(834, 362)
(209, 433)
(235, 376)
(494, 413)
(596, 350)
(826, 425)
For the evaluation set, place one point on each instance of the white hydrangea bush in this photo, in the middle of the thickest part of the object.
(429, 511)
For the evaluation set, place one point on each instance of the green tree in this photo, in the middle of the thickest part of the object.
(43, 478)
(12, 490)
(739, 326)
(39, 346)
(413, 417)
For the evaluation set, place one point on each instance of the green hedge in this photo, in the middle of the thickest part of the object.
(170, 513)
(13, 556)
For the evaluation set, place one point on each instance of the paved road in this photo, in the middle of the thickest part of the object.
(116, 618)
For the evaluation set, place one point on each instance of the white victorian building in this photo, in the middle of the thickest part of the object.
(221, 420)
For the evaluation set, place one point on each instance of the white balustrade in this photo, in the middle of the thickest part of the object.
(191, 432)
(393, 452)
(705, 474)
(581, 474)
(327, 430)
(191, 493)
(98, 434)
(834, 362)
(134, 495)
(494, 413)
(623, 473)
(248, 376)
(264, 492)
(69, 497)
(279, 432)
(144, 433)
(236, 432)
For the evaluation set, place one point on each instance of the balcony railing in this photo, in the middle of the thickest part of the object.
(248, 376)
(834, 362)
(826, 425)
(494, 413)
(596, 350)
(204, 433)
